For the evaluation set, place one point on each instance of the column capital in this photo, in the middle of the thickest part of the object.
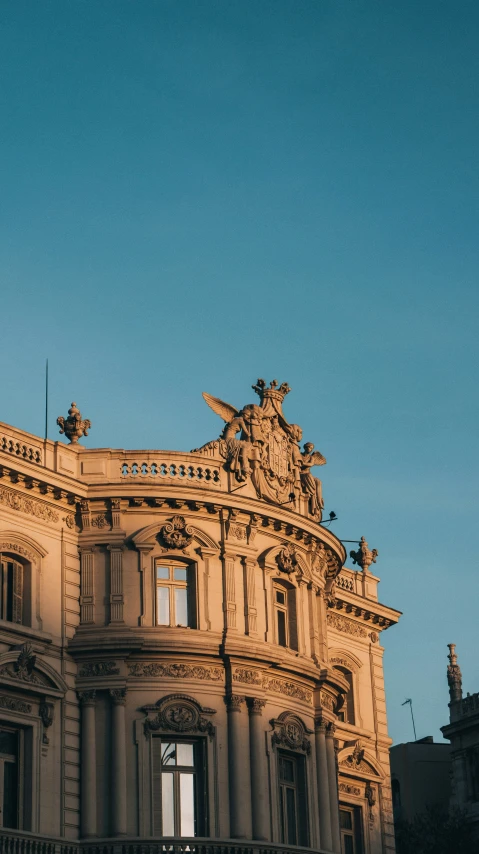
(321, 726)
(234, 702)
(116, 547)
(331, 729)
(87, 698)
(118, 696)
(256, 706)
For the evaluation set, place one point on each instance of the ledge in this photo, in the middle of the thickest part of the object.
(25, 631)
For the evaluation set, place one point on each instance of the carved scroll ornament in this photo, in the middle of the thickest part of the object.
(291, 733)
(178, 713)
(176, 533)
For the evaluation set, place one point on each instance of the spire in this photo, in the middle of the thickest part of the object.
(454, 675)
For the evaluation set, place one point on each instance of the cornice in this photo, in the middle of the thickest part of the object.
(374, 614)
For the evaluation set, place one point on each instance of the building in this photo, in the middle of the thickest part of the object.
(420, 777)
(463, 733)
(183, 653)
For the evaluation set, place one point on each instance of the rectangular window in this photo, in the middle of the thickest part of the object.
(10, 778)
(11, 590)
(281, 616)
(292, 799)
(179, 781)
(350, 826)
(174, 599)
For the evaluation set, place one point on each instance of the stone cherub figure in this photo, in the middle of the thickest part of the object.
(304, 460)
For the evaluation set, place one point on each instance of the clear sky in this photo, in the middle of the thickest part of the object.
(194, 194)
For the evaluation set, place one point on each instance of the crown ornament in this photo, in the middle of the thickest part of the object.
(274, 392)
(74, 427)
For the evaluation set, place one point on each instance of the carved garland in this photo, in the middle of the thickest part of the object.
(177, 671)
(342, 624)
(14, 705)
(99, 668)
(20, 550)
(17, 501)
(278, 686)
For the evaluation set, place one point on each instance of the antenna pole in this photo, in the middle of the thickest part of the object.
(46, 400)
(409, 703)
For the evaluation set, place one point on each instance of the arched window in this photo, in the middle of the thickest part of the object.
(347, 714)
(285, 621)
(175, 598)
(12, 589)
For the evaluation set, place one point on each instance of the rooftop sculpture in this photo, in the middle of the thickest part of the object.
(267, 450)
(74, 427)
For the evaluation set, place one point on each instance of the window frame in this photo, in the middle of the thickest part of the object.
(356, 831)
(348, 714)
(18, 762)
(299, 787)
(171, 584)
(289, 608)
(12, 590)
(199, 773)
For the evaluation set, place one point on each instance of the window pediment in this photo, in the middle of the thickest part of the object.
(20, 668)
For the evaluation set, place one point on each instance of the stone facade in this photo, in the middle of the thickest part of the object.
(194, 603)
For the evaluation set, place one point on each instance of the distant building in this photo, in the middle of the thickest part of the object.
(185, 662)
(420, 777)
(463, 733)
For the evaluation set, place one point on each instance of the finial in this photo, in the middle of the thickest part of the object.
(73, 427)
(454, 675)
(364, 556)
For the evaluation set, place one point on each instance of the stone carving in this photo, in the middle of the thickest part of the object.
(234, 702)
(347, 789)
(46, 714)
(267, 450)
(290, 689)
(177, 671)
(73, 426)
(14, 705)
(327, 701)
(364, 556)
(87, 698)
(291, 733)
(286, 559)
(70, 521)
(99, 668)
(256, 706)
(179, 713)
(374, 637)
(99, 521)
(249, 677)
(371, 799)
(17, 501)
(176, 533)
(343, 662)
(454, 675)
(23, 668)
(342, 624)
(17, 549)
(118, 696)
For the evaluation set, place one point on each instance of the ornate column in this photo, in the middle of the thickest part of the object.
(116, 583)
(118, 763)
(88, 764)
(87, 597)
(250, 612)
(313, 621)
(325, 831)
(333, 788)
(229, 594)
(238, 770)
(259, 783)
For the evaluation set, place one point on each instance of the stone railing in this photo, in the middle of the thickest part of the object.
(345, 582)
(20, 450)
(469, 704)
(171, 470)
(21, 842)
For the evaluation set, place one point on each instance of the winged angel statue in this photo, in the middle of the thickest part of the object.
(258, 442)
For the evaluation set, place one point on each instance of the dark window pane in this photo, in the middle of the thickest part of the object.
(179, 574)
(10, 795)
(280, 597)
(167, 805)
(286, 770)
(346, 819)
(187, 805)
(184, 754)
(181, 606)
(168, 754)
(8, 743)
(281, 618)
(163, 594)
(163, 572)
(348, 844)
(291, 816)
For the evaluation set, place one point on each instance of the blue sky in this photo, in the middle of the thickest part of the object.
(194, 194)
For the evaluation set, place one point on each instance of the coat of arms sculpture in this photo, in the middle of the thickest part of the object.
(258, 443)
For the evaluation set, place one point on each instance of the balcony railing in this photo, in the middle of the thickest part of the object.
(21, 842)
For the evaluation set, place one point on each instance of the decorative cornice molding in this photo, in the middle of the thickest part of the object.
(17, 501)
(14, 705)
(343, 624)
(278, 686)
(99, 668)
